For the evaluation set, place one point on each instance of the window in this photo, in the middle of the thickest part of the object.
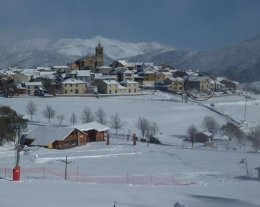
(109, 91)
(77, 91)
(76, 85)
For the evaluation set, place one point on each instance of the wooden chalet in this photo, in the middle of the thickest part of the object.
(95, 131)
(204, 137)
(53, 137)
(56, 137)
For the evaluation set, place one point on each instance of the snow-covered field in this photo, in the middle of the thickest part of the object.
(141, 175)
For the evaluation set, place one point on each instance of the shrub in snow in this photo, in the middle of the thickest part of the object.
(179, 204)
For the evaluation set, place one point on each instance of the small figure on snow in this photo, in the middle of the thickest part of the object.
(114, 203)
(179, 204)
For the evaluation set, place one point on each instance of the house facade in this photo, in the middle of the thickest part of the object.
(73, 86)
(131, 86)
(110, 87)
(31, 87)
(175, 84)
(161, 76)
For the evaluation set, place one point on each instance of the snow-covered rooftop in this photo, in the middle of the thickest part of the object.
(128, 82)
(45, 135)
(92, 126)
(33, 83)
(109, 82)
(84, 73)
(73, 81)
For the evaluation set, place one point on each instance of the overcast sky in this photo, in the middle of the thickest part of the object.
(189, 24)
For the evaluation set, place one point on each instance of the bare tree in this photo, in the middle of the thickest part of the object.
(60, 118)
(210, 124)
(116, 122)
(87, 115)
(231, 130)
(31, 108)
(192, 132)
(153, 129)
(49, 112)
(101, 116)
(73, 118)
(254, 137)
(143, 125)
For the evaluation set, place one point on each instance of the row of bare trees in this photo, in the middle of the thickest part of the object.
(230, 129)
(87, 115)
(146, 127)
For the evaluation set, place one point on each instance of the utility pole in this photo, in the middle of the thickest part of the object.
(243, 161)
(18, 142)
(66, 166)
(16, 169)
(245, 105)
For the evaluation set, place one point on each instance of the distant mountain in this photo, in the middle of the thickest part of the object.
(45, 52)
(239, 62)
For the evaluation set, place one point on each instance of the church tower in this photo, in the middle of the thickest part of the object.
(99, 55)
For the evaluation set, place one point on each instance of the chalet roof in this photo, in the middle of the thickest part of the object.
(104, 67)
(60, 67)
(165, 73)
(84, 73)
(33, 83)
(105, 77)
(206, 133)
(121, 87)
(73, 81)
(127, 82)
(128, 72)
(123, 62)
(45, 135)
(178, 79)
(43, 68)
(92, 126)
(110, 82)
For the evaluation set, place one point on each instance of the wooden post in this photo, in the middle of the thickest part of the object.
(134, 139)
(77, 174)
(43, 170)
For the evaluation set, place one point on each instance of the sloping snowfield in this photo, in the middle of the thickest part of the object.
(141, 175)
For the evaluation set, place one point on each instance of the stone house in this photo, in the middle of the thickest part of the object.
(73, 86)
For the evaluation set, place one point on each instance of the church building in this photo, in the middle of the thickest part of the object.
(91, 62)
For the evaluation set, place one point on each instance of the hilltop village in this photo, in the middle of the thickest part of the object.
(90, 76)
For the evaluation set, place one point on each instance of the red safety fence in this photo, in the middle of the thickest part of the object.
(47, 173)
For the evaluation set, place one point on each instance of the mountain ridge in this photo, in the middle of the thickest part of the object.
(240, 58)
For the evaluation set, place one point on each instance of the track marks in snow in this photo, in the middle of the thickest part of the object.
(43, 160)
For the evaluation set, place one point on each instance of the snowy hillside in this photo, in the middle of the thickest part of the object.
(135, 176)
(30, 53)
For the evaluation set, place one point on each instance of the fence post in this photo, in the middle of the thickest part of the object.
(173, 182)
(43, 170)
(77, 174)
(127, 178)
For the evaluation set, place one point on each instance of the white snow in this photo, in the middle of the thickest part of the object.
(138, 176)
